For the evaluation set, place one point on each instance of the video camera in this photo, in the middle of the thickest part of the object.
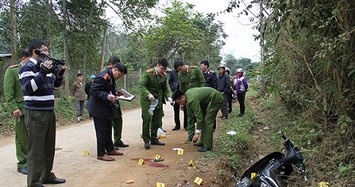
(57, 69)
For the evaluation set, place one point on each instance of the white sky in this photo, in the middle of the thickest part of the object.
(240, 42)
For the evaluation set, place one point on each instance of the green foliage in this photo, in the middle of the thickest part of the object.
(233, 64)
(234, 148)
(6, 119)
(65, 110)
(326, 155)
(184, 33)
(132, 11)
(309, 56)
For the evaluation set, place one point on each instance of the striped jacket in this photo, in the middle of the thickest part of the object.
(37, 87)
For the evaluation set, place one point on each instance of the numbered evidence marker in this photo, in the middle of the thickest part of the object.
(180, 152)
(198, 180)
(192, 163)
(159, 184)
(141, 162)
(157, 157)
(86, 153)
(252, 175)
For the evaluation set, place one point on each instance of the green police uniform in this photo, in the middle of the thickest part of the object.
(152, 83)
(117, 121)
(192, 78)
(204, 103)
(14, 98)
(117, 124)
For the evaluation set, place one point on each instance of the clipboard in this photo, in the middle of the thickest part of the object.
(126, 96)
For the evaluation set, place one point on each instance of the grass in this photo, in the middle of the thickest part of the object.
(230, 151)
(328, 152)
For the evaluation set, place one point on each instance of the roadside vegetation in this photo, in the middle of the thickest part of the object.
(327, 159)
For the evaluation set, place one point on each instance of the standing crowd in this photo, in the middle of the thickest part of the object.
(196, 90)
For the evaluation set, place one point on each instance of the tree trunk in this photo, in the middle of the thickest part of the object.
(87, 34)
(66, 55)
(103, 49)
(48, 23)
(13, 31)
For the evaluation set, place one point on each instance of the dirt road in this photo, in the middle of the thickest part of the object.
(80, 170)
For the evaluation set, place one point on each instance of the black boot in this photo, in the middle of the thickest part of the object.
(146, 145)
(176, 128)
(157, 142)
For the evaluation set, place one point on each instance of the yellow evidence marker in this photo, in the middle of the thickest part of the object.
(159, 184)
(252, 175)
(141, 162)
(86, 153)
(198, 180)
(192, 163)
(180, 152)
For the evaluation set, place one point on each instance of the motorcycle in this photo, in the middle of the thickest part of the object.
(274, 169)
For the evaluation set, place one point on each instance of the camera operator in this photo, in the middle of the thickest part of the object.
(37, 84)
(102, 99)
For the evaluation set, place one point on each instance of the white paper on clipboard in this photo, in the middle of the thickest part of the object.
(126, 96)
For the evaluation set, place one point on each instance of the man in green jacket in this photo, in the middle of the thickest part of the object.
(14, 98)
(78, 91)
(203, 103)
(153, 92)
(189, 77)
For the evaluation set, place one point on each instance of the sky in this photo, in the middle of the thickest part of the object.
(240, 42)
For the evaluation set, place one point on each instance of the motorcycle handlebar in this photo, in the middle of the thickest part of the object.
(282, 135)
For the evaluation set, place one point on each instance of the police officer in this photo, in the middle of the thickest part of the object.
(189, 77)
(153, 92)
(116, 111)
(101, 101)
(204, 104)
(14, 98)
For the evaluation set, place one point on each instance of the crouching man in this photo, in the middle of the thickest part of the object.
(203, 103)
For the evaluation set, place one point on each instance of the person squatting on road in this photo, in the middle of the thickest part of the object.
(204, 104)
(102, 99)
(38, 85)
(241, 88)
(14, 98)
(153, 90)
(78, 91)
(189, 77)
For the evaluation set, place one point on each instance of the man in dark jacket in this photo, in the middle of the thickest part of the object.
(210, 76)
(102, 98)
(223, 86)
(38, 84)
(174, 86)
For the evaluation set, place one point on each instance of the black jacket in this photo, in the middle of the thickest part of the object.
(98, 105)
(224, 83)
(174, 80)
(211, 79)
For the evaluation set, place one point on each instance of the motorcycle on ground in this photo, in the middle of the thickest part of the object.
(274, 169)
